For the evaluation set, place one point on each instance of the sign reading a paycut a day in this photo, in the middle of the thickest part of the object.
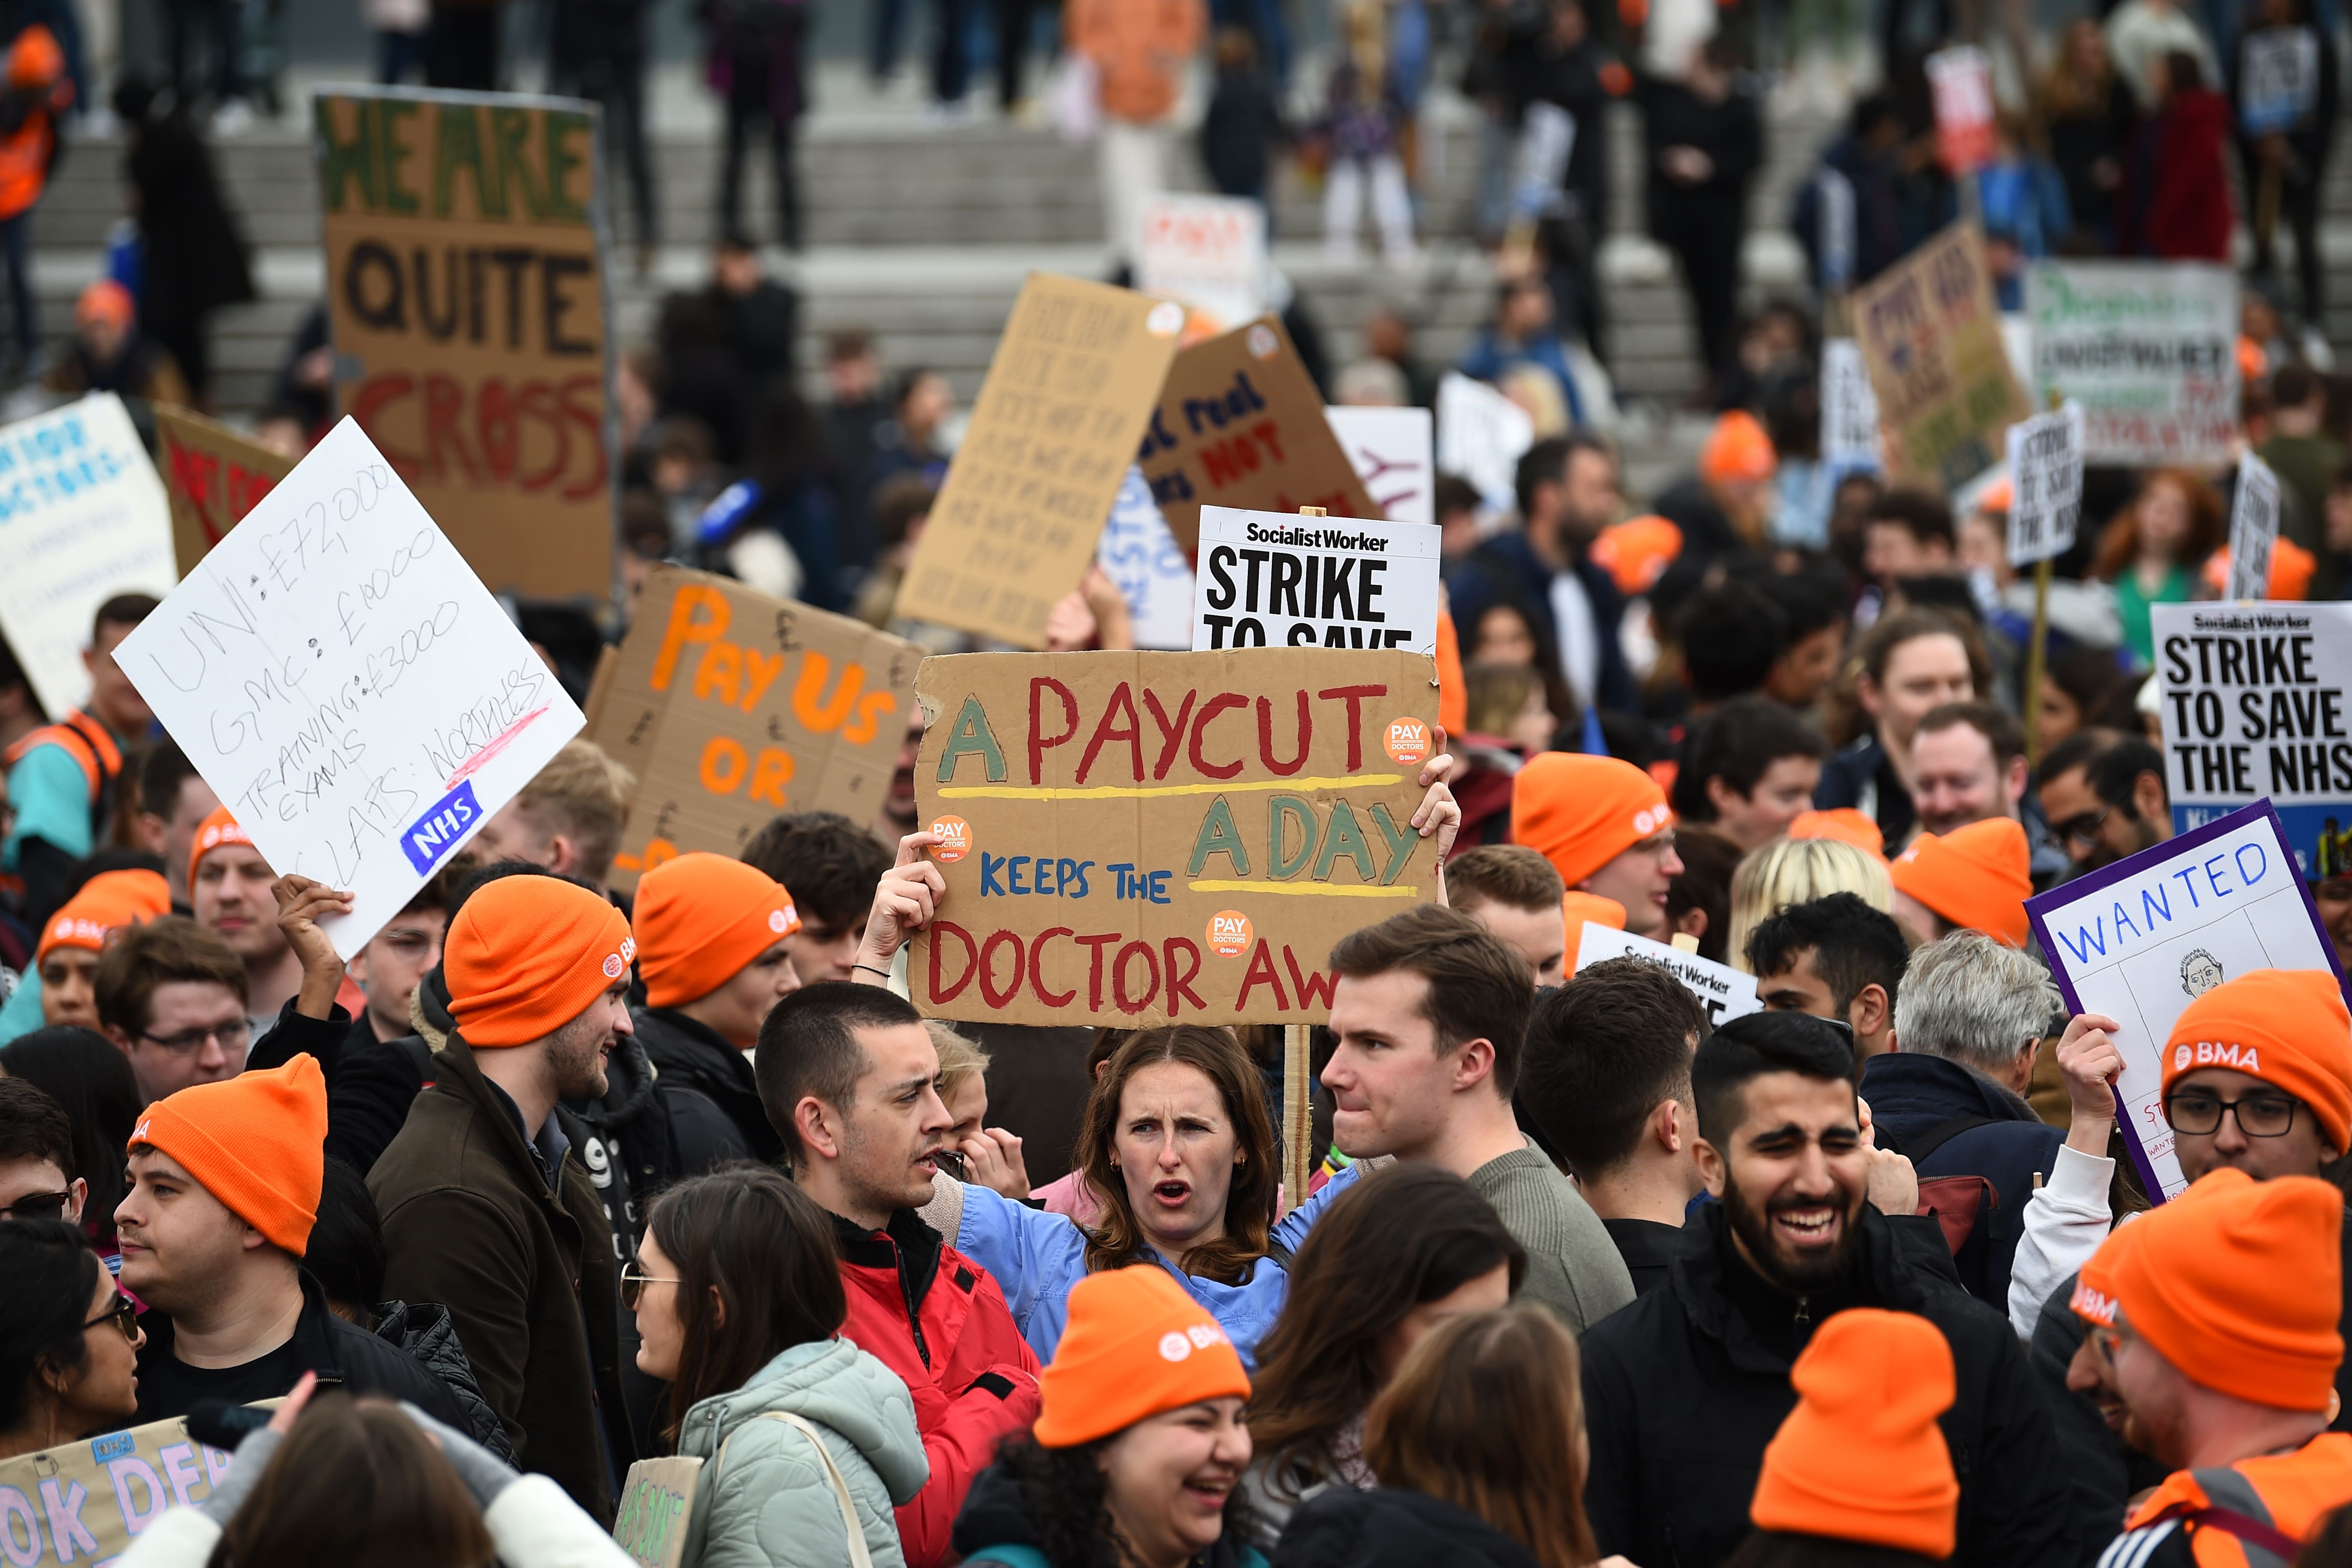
(1207, 251)
(87, 1502)
(346, 684)
(2046, 469)
(1722, 990)
(2148, 347)
(465, 285)
(1075, 377)
(1930, 336)
(2139, 940)
(82, 518)
(215, 475)
(2253, 529)
(2254, 708)
(1274, 580)
(1394, 451)
(1138, 839)
(730, 706)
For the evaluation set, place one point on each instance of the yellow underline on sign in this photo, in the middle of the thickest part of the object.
(1146, 792)
(1308, 889)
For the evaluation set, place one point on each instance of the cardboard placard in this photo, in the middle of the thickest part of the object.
(1849, 410)
(2140, 939)
(214, 476)
(1240, 423)
(1394, 451)
(2149, 348)
(2046, 468)
(2253, 529)
(1275, 580)
(1143, 557)
(1208, 252)
(465, 241)
(346, 684)
(1073, 383)
(2254, 708)
(1931, 338)
(1481, 436)
(732, 707)
(1722, 990)
(656, 1505)
(87, 1502)
(1960, 80)
(82, 518)
(1139, 839)
(2278, 77)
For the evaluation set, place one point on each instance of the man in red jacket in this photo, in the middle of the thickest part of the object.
(848, 1076)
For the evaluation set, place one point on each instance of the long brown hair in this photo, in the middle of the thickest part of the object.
(1486, 1414)
(1400, 1238)
(745, 1238)
(2119, 544)
(360, 1486)
(1118, 1238)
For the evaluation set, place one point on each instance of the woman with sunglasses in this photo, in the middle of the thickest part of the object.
(737, 1289)
(69, 1341)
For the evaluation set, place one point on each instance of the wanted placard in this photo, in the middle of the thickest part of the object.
(1272, 579)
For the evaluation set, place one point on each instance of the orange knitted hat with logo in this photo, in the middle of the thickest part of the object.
(527, 954)
(257, 1142)
(2287, 1027)
(2239, 1283)
(700, 918)
(1861, 1458)
(106, 903)
(1737, 448)
(1135, 1344)
(1844, 824)
(215, 831)
(1979, 877)
(1582, 812)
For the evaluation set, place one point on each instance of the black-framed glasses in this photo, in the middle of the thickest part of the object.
(2083, 830)
(232, 1036)
(2197, 1111)
(634, 1280)
(123, 1314)
(39, 1206)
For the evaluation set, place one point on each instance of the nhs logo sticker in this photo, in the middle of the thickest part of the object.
(433, 835)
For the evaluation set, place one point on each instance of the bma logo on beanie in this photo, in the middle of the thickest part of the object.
(1178, 1344)
(2214, 1053)
(2096, 1306)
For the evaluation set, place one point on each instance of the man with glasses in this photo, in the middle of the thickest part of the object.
(1606, 828)
(172, 997)
(36, 1158)
(2104, 796)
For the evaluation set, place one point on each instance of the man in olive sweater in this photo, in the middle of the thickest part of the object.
(1431, 1012)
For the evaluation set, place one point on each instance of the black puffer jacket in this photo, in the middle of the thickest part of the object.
(690, 1056)
(429, 1335)
(1684, 1388)
(1343, 1528)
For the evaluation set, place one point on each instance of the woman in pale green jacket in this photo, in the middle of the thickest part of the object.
(737, 1289)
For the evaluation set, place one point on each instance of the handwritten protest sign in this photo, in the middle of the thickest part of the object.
(82, 518)
(84, 1502)
(1282, 581)
(466, 290)
(1849, 410)
(1960, 80)
(1208, 252)
(347, 686)
(656, 1505)
(1075, 380)
(2253, 529)
(214, 476)
(731, 707)
(1393, 451)
(2140, 939)
(2046, 469)
(1240, 423)
(1931, 338)
(2278, 77)
(1481, 436)
(1724, 991)
(1138, 839)
(1142, 557)
(2254, 708)
(2148, 347)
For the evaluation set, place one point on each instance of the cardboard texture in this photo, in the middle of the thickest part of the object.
(656, 1505)
(1931, 338)
(732, 707)
(87, 1502)
(213, 476)
(1240, 423)
(1068, 393)
(1139, 839)
(466, 290)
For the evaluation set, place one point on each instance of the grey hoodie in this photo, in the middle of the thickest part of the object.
(770, 1502)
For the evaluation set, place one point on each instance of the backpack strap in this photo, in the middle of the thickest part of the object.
(859, 1555)
(1918, 1149)
(2236, 1508)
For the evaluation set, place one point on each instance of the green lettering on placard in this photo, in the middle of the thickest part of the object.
(561, 124)
(391, 111)
(341, 162)
(457, 150)
(1281, 863)
(1218, 836)
(1397, 839)
(971, 736)
(509, 133)
(1345, 836)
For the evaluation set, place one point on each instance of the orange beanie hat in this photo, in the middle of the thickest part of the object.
(257, 1142)
(1978, 876)
(2287, 1027)
(215, 831)
(700, 918)
(2239, 1284)
(1582, 812)
(108, 301)
(1135, 1344)
(2292, 570)
(1844, 824)
(527, 954)
(1636, 552)
(106, 903)
(1861, 1458)
(1579, 907)
(1736, 448)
